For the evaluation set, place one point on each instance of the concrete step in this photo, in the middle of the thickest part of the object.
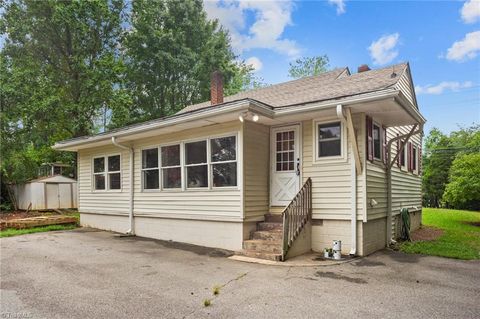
(267, 234)
(269, 226)
(260, 254)
(273, 218)
(276, 209)
(269, 246)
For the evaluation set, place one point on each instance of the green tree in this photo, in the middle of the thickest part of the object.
(59, 68)
(308, 66)
(171, 50)
(463, 189)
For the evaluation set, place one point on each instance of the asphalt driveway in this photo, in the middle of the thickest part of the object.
(95, 274)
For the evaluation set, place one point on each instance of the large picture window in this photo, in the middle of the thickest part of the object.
(106, 173)
(171, 169)
(329, 139)
(150, 170)
(224, 166)
(196, 164)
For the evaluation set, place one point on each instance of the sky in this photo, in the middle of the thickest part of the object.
(440, 40)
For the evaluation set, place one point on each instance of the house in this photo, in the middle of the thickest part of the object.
(279, 170)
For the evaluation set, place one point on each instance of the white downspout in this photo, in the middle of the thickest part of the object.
(353, 223)
(131, 230)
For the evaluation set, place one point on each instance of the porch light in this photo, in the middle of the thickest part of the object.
(245, 115)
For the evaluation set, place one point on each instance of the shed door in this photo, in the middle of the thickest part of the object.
(65, 195)
(285, 164)
(52, 196)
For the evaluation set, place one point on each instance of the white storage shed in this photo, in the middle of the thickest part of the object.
(52, 192)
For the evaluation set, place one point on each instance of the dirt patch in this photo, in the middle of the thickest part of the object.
(368, 263)
(426, 233)
(4, 216)
(332, 275)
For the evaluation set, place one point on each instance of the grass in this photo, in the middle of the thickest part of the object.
(460, 239)
(15, 232)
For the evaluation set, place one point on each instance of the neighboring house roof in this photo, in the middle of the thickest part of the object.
(326, 86)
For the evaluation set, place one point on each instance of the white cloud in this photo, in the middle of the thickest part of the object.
(470, 11)
(266, 32)
(442, 86)
(383, 50)
(467, 48)
(340, 4)
(255, 63)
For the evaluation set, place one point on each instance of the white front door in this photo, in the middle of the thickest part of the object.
(285, 164)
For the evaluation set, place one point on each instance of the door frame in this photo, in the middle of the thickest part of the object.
(273, 155)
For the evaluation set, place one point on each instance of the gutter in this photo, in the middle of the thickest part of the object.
(353, 207)
(388, 168)
(131, 230)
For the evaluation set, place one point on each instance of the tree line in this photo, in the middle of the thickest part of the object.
(451, 169)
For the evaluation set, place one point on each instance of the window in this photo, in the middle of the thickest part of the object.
(377, 144)
(114, 180)
(285, 151)
(329, 139)
(99, 173)
(150, 171)
(402, 156)
(414, 158)
(223, 157)
(196, 164)
(171, 169)
(106, 172)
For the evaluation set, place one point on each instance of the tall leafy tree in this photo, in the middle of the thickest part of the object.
(59, 67)
(308, 66)
(171, 50)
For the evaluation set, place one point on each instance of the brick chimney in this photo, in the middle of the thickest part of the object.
(216, 88)
(363, 68)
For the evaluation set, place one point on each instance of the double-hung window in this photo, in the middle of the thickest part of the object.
(414, 158)
(99, 173)
(196, 164)
(377, 142)
(171, 169)
(106, 173)
(329, 139)
(224, 161)
(150, 170)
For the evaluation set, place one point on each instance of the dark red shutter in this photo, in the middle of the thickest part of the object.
(369, 139)
(410, 156)
(384, 144)
(419, 160)
(398, 151)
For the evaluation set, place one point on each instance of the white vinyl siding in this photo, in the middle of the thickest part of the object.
(223, 203)
(256, 169)
(406, 186)
(406, 86)
(331, 180)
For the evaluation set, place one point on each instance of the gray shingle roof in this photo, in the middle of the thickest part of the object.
(327, 86)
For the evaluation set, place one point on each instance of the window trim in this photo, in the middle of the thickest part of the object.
(380, 139)
(211, 163)
(404, 167)
(106, 173)
(161, 167)
(343, 141)
(142, 178)
(183, 165)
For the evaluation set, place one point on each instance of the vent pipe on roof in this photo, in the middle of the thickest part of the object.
(216, 88)
(363, 68)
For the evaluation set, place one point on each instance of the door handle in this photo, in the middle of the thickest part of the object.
(298, 166)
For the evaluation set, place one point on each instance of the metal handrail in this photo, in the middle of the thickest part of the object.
(296, 215)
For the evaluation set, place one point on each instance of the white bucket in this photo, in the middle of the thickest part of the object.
(337, 245)
(337, 254)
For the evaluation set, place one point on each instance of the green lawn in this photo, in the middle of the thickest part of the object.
(460, 239)
(15, 232)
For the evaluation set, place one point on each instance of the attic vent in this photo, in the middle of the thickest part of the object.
(363, 68)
